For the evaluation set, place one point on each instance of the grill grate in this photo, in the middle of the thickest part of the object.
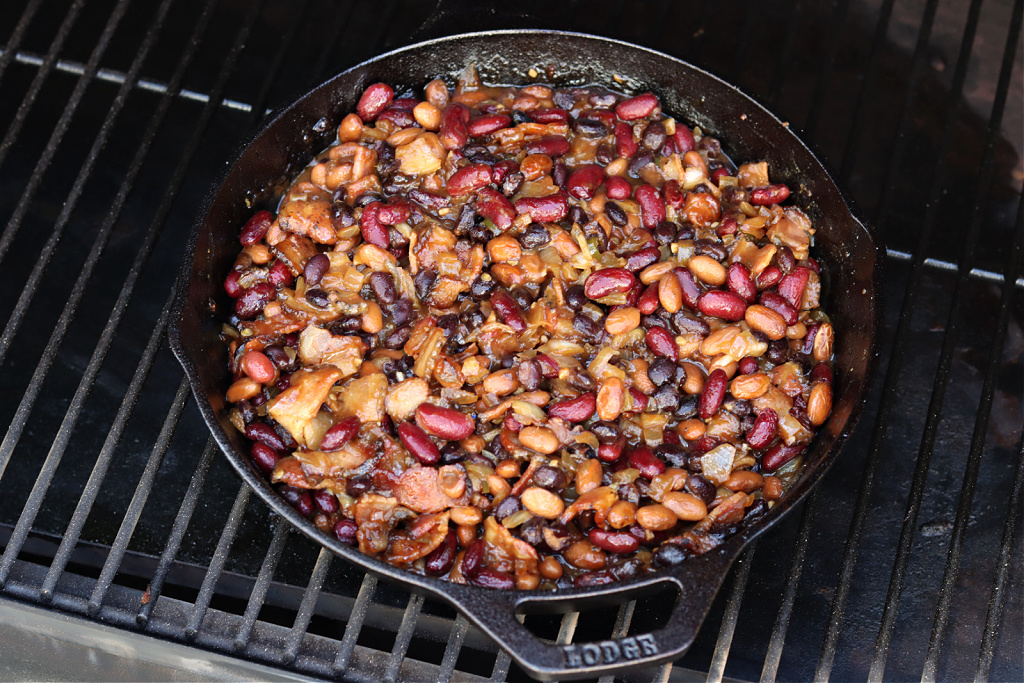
(115, 507)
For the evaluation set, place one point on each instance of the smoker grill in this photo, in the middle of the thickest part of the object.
(129, 544)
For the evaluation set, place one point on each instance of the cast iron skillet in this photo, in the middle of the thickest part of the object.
(843, 245)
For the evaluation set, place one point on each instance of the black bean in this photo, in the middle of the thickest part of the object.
(687, 407)
(396, 338)
(577, 215)
(710, 145)
(640, 160)
(778, 351)
(575, 298)
(740, 407)
(519, 117)
(402, 311)
(701, 488)
(662, 370)
(672, 453)
(472, 319)
(342, 215)
(653, 136)
(346, 324)
(511, 183)
(424, 282)
(532, 531)
(318, 297)
(616, 214)
(449, 324)
(756, 511)
(452, 453)
(590, 128)
(686, 323)
(785, 258)
(588, 327)
(247, 411)
(559, 173)
(535, 236)
(582, 380)
(529, 375)
(669, 555)
(606, 432)
(480, 234)
(345, 531)
(666, 398)
(358, 485)
(686, 232)
(281, 359)
(550, 478)
(367, 198)
(605, 154)
(383, 286)
(507, 507)
(522, 297)
(665, 233)
(706, 247)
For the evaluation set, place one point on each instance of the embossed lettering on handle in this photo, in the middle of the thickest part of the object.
(607, 652)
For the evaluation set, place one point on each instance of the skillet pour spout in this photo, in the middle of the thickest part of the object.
(844, 246)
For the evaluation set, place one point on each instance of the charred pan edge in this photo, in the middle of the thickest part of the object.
(849, 247)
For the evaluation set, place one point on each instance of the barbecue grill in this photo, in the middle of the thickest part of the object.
(130, 545)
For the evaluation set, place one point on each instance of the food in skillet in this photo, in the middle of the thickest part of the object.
(526, 337)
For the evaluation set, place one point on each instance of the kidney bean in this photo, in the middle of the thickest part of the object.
(652, 208)
(280, 275)
(454, 131)
(576, 409)
(549, 115)
(444, 423)
(763, 432)
(616, 214)
(469, 179)
(739, 282)
(418, 443)
(441, 559)
(747, 365)
(648, 302)
(492, 578)
(473, 559)
(326, 501)
(607, 281)
(713, 393)
(488, 123)
(255, 228)
(340, 434)
(625, 144)
(264, 457)
(428, 200)
(370, 226)
(345, 530)
(374, 100)
(300, 499)
(618, 542)
(550, 209)
(725, 305)
(617, 188)
(265, 434)
(781, 306)
(495, 207)
(584, 181)
(683, 139)
(821, 373)
(233, 285)
(257, 366)
(251, 302)
(672, 195)
(785, 258)
(643, 459)
(548, 366)
(508, 311)
(636, 107)
(791, 286)
(661, 342)
(769, 277)
(691, 290)
(778, 455)
(315, 269)
(640, 259)
(551, 145)
(766, 196)
(591, 128)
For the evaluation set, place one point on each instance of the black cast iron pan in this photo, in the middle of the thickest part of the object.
(844, 246)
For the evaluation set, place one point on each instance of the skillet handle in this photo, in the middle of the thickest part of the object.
(697, 581)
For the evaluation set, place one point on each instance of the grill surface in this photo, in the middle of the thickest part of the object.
(116, 116)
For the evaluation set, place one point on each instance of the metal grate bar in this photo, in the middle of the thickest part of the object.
(867, 86)
(259, 589)
(620, 629)
(49, 353)
(883, 416)
(773, 656)
(1003, 565)
(40, 78)
(403, 638)
(181, 522)
(945, 360)
(18, 34)
(782, 60)
(825, 73)
(308, 604)
(138, 502)
(99, 470)
(732, 614)
(452, 649)
(970, 478)
(567, 629)
(979, 273)
(220, 557)
(53, 143)
(503, 661)
(355, 623)
(899, 142)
